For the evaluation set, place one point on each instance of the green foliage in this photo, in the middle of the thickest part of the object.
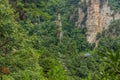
(80, 65)
(110, 65)
(110, 38)
(112, 59)
(52, 67)
(5, 77)
(23, 65)
(115, 4)
(28, 32)
(8, 27)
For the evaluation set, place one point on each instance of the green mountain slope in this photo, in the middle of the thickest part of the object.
(47, 40)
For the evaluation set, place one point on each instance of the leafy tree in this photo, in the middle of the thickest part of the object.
(52, 67)
(8, 27)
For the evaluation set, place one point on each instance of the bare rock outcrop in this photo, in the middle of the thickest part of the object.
(98, 18)
(81, 15)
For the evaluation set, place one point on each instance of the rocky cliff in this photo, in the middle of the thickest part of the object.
(99, 17)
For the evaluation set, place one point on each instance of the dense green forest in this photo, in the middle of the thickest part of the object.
(39, 41)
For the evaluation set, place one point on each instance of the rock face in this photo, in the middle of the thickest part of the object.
(93, 20)
(81, 15)
(98, 18)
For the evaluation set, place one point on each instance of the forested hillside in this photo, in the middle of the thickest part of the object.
(59, 40)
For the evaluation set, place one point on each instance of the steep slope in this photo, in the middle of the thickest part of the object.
(99, 17)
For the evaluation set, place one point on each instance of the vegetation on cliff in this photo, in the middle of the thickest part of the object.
(30, 47)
